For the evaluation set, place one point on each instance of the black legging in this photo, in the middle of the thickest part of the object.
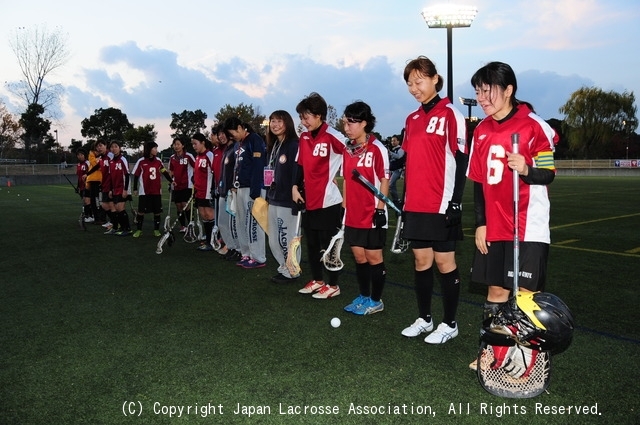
(317, 240)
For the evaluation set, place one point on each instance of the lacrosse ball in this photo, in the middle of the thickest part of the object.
(27, 199)
(335, 322)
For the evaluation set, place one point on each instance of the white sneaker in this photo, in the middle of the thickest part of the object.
(418, 327)
(327, 291)
(107, 225)
(442, 334)
(89, 219)
(311, 287)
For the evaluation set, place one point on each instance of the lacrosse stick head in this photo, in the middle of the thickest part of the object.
(331, 256)
(400, 246)
(190, 235)
(161, 242)
(167, 223)
(216, 241)
(292, 263)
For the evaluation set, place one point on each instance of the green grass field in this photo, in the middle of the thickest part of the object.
(100, 330)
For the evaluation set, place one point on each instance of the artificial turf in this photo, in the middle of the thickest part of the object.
(101, 330)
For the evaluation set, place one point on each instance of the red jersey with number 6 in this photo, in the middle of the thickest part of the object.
(488, 166)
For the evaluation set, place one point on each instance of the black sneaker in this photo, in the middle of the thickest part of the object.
(279, 278)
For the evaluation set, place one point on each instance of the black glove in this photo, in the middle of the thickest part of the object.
(453, 216)
(379, 218)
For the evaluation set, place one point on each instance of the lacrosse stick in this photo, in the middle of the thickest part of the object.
(292, 263)
(81, 222)
(134, 211)
(201, 236)
(216, 240)
(190, 234)
(331, 256)
(167, 219)
(505, 368)
(399, 244)
(168, 237)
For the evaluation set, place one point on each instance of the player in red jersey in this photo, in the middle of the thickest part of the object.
(203, 179)
(491, 164)
(365, 215)
(147, 183)
(181, 169)
(119, 172)
(319, 160)
(435, 145)
(82, 167)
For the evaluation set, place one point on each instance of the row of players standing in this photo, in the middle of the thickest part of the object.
(437, 163)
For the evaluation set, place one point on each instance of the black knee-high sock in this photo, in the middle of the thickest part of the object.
(113, 218)
(424, 290)
(124, 221)
(156, 222)
(314, 247)
(87, 210)
(182, 219)
(363, 275)
(450, 296)
(208, 228)
(378, 277)
(140, 221)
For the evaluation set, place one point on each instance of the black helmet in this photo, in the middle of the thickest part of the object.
(538, 320)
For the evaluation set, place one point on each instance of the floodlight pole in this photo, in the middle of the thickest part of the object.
(449, 16)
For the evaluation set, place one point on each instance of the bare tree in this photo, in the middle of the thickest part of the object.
(39, 52)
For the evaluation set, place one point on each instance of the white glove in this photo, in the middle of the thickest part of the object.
(519, 361)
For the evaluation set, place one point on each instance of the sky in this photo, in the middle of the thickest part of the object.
(150, 59)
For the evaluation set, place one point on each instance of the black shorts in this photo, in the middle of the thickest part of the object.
(329, 218)
(85, 193)
(150, 204)
(116, 199)
(437, 246)
(105, 197)
(204, 203)
(183, 195)
(496, 267)
(365, 238)
(428, 227)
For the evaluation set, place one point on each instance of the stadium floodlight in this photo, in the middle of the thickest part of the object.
(449, 16)
(469, 102)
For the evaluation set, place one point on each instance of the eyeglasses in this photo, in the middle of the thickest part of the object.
(351, 120)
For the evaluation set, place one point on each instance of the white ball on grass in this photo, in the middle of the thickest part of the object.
(335, 322)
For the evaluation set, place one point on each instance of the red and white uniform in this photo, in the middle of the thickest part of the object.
(218, 154)
(104, 168)
(203, 175)
(119, 171)
(488, 166)
(321, 158)
(373, 164)
(431, 141)
(150, 173)
(81, 169)
(182, 169)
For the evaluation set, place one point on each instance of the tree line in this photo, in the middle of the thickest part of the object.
(596, 124)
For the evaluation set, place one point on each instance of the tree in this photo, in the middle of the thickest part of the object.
(593, 116)
(246, 114)
(138, 136)
(10, 131)
(35, 128)
(39, 52)
(108, 124)
(187, 123)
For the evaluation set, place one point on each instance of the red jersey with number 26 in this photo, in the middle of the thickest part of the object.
(321, 158)
(488, 166)
(361, 203)
(431, 141)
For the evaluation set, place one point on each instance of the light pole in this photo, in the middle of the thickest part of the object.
(469, 103)
(449, 16)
